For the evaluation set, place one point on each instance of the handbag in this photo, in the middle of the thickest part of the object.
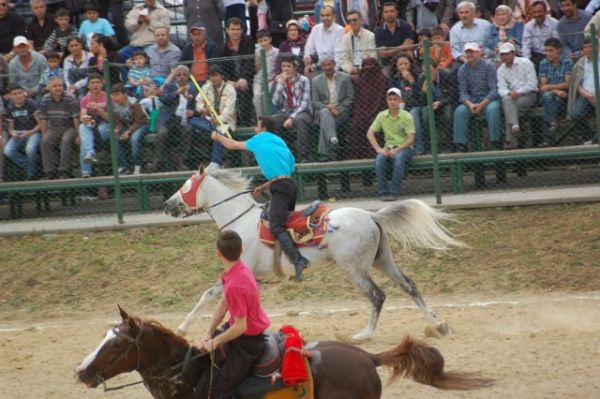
(277, 21)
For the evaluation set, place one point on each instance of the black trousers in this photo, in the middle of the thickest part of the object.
(235, 361)
(117, 17)
(283, 201)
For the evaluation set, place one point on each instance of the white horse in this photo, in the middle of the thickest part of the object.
(356, 239)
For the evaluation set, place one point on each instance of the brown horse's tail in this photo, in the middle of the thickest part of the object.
(425, 364)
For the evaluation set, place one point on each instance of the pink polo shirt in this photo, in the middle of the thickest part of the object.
(243, 299)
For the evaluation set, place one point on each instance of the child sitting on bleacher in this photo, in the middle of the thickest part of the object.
(57, 41)
(95, 25)
(53, 69)
(151, 103)
(139, 72)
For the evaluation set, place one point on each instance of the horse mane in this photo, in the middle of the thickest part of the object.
(161, 330)
(232, 179)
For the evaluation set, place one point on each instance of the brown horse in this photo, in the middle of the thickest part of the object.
(339, 370)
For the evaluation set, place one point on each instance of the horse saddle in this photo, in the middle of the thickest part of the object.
(264, 378)
(270, 361)
(307, 227)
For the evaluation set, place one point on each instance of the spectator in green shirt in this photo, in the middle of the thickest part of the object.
(398, 130)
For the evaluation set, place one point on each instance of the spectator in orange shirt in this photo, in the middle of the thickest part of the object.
(440, 50)
(199, 51)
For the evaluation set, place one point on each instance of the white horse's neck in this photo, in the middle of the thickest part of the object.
(233, 211)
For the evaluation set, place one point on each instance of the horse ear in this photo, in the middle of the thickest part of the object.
(201, 169)
(124, 314)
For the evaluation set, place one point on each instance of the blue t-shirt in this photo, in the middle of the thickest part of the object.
(101, 25)
(272, 155)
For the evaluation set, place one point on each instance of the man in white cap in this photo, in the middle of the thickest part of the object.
(478, 94)
(517, 86)
(399, 136)
(26, 67)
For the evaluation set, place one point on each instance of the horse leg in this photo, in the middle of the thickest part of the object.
(385, 262)
(191, 317)
(377, 297)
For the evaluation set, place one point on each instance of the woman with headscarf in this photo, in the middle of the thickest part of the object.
(293, 45)
(369, 100)
(509, 30)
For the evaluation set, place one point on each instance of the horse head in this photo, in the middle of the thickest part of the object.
(117, 353)
(188, 200)
(169, 366)
(203, 190)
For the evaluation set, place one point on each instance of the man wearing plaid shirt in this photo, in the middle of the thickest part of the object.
(555, 75)
(293, 102)
(478, 95)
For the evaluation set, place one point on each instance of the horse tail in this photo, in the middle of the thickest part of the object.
(415, 224)
(425, 364)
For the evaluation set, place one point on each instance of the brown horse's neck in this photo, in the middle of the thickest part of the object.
(163, 367)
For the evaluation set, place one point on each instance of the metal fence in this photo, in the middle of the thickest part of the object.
(456, 150)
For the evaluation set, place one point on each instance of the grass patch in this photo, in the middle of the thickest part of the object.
(543, 248)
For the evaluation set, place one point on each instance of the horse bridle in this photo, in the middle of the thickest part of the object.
(195, 210)
(135, 342)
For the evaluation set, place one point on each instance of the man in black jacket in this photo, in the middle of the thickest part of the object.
(239, 70)
(199, 50)
(11, 25)
(445, 97)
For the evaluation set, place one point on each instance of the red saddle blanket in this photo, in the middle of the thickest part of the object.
(306, 231)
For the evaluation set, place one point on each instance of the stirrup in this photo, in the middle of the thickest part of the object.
(312, 208)
(298, 276)
(299, 268)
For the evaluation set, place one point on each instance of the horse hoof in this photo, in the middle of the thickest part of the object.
(360, 338)
(443, 328)
(438, 331)
(296, 279)
(181, 333)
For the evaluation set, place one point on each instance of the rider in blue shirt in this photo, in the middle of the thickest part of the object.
(277, 164)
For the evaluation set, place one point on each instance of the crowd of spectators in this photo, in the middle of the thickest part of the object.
(492, 59)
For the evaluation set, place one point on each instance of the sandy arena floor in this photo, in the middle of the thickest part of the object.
(534, 346)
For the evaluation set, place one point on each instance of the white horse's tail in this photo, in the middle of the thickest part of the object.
(415, 224)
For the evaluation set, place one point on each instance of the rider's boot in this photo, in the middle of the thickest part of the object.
(289, 248)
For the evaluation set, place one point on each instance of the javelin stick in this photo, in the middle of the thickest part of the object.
(213, 112)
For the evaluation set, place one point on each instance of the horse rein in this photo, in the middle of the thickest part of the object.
(196, 210)
(135, 342)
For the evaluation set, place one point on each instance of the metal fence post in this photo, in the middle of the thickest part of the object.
(432, 127)
(113, 142)
(265, 82)
(595, 69)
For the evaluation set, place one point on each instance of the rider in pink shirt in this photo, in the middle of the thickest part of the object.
(241, 338)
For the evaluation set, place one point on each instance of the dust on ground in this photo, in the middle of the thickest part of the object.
(533, 346)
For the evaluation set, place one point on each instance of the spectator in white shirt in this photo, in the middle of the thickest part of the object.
(541, 28)
(356, 45)
(472, 30)
(323, 39)
(517, 86)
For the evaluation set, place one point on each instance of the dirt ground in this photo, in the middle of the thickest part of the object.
(532, 345)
